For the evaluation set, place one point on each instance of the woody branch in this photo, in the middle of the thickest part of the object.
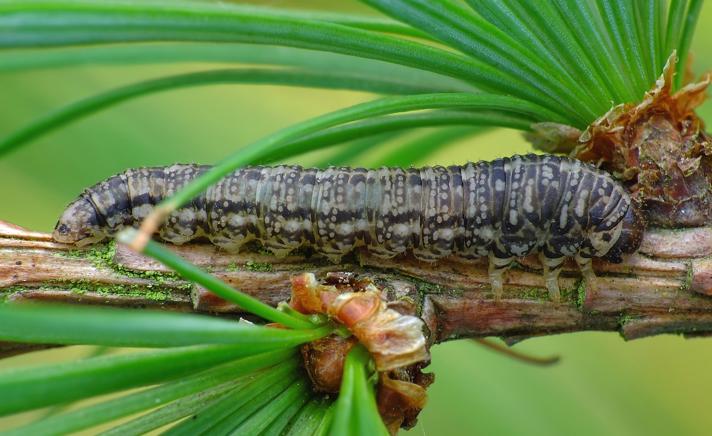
(663, 288)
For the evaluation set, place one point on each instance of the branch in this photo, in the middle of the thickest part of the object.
(664, 288)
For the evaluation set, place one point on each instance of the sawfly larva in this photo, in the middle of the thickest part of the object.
(504, 209)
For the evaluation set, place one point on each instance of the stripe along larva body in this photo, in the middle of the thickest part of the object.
(505, 209)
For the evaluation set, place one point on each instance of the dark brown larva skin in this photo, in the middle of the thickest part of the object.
(503, 209)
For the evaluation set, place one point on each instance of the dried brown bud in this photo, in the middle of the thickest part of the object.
(306, 294)
(393, 339)
(659, 147)
(324, 361)
(401, 397)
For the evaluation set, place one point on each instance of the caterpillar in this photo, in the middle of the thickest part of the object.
(504, 209)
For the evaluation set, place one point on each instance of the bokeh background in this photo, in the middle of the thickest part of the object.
(603, 385)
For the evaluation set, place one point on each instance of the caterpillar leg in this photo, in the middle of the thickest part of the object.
(552, 269)
(280, 253)
(586, 268)
(497, 268)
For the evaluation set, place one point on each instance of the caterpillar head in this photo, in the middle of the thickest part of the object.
(631, 235)
(79, 224)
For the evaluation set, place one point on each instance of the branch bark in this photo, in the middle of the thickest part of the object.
(664, 288)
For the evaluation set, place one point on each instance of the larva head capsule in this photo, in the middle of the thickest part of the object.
(79, 224)
(630, 237)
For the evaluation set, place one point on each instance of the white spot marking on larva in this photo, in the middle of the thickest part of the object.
(581, 203)
(292, 226)
(528, 196)
(563, 218)
(142, 211)
(237, 220)
(401, 230)
(512, 217)
(345, 229)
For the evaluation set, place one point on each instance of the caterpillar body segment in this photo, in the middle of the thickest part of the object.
(504, 209)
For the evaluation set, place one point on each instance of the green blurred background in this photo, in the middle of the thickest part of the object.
(603, 385)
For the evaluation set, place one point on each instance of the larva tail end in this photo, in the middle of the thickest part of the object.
(631, 235)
